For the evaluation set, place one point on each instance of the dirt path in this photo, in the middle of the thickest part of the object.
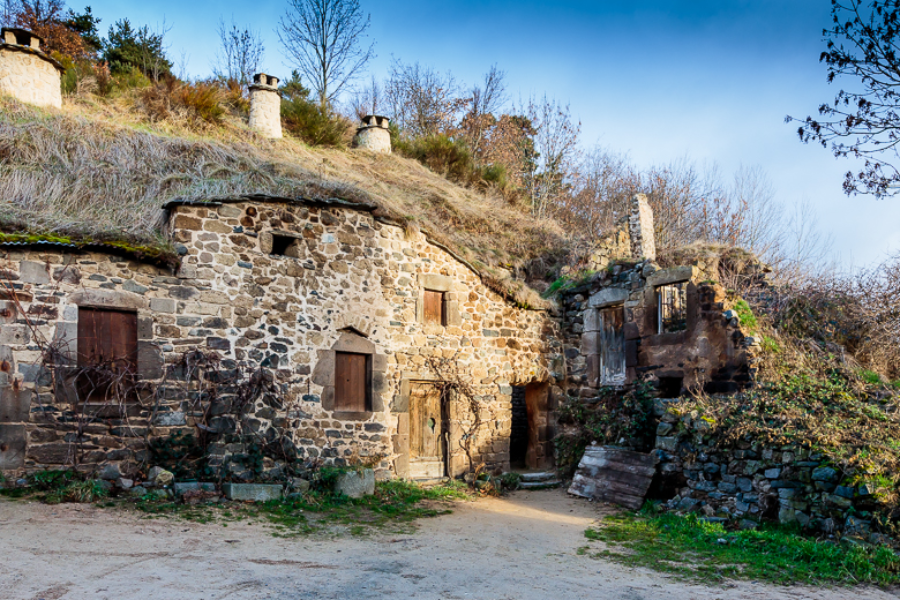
(521, 547)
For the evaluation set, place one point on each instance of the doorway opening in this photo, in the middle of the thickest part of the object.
(532, 433)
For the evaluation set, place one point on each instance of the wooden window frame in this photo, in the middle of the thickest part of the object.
(339, 399)
(660, 321)
(442, 307)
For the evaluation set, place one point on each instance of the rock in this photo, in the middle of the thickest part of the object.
(663, 429)
(787, 515)
(124, 484)
(182, 487)
(109, 472)
(299, 485)
(856, 525)
(802, 518)
(843, 491)
(824, 474)
(160, 477)
(255, 492)
(744, 484)
(356, 484)
(667, 443)
(138, 491)
(687, 504)
(103, 484)
(727, 488)
(748, 524)
(840, 502)
(772, 473)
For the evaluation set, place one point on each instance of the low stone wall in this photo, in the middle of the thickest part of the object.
(749, 482)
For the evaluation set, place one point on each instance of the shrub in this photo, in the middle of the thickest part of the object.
(315, 126)
(197, 103)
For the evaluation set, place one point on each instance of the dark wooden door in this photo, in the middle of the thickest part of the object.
(351, 382)
(612, 345)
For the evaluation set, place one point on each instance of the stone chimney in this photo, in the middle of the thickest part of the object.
(26, 73)
(265, 105)
(374, 134)
(640, 228)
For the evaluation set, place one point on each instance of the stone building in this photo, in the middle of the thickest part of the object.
(26, 72)
(363, 327)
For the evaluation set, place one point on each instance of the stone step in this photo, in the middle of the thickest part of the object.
(546, 476)
(539, 485)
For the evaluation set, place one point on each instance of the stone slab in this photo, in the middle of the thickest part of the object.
(356, 484)
(193, 486)
(255, 492)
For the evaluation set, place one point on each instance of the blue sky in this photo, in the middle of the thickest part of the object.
(656, 79)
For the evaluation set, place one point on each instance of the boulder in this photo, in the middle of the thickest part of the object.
(356, 484)
(160, 477)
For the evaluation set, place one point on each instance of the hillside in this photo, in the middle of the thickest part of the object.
(99, 171)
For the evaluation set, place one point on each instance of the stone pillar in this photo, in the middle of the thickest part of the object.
(26, 73)
(640, 228)
(374, 134)
(265, 105)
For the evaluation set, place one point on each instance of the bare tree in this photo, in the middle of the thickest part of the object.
(484, 101)
(240, 54)
(555, 153)
(323, 38)
(422, 101)
(368, 99)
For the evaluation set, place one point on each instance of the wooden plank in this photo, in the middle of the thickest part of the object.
(614, 475)
(623, 456)
(350, 382)
(434, 307)
(425, 422)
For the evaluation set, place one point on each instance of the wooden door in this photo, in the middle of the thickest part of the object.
(107, 351)
(426, 432)
(351, 389)
(434, 307)
(612, 345)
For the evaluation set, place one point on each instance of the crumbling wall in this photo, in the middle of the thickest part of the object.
(749, 482)
(712, 353)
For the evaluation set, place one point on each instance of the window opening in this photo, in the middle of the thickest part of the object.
(434, 307)
(671, 301)
(284, 245)
(670, 387)
(352, 382)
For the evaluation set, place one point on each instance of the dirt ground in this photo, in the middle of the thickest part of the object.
(520, 547)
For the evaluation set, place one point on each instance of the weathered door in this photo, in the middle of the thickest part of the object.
(427, 426)
(612, 345)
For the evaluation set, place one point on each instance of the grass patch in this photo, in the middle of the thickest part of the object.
(745, 316)
(695, 550)
(394, 506)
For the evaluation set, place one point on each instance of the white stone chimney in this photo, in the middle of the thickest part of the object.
(374, 134)
(26, 73)
(640, 228)
(265, 105)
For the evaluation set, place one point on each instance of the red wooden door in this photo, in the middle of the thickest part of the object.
(350, 382)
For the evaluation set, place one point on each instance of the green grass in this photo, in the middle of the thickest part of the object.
(394, 506)
(695, 550)
(745, 316)
(870, 377)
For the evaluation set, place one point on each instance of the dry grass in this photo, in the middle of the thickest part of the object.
(98, 170)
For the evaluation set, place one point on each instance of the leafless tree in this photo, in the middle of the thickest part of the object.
(422, 101)
(485, 102)
(367, 100)
(555, 153)
(240, 53)
(324, 39)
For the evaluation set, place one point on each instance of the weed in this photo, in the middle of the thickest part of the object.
(745, 316)
(870, 377)
(79, 491)
(695, 550)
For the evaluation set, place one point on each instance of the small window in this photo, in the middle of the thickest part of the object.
(284, 245)
(434, 308)
(352, 382)
(671, 302)
(670, 387)
(107, 351)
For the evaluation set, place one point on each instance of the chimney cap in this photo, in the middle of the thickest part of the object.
(20, 33)
(265, 81)
(376, 121)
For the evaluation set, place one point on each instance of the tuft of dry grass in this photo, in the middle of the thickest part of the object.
(98, 169)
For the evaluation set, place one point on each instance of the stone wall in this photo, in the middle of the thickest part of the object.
(30, 76)
(346, 282)
(749, 482)
(711, 354)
